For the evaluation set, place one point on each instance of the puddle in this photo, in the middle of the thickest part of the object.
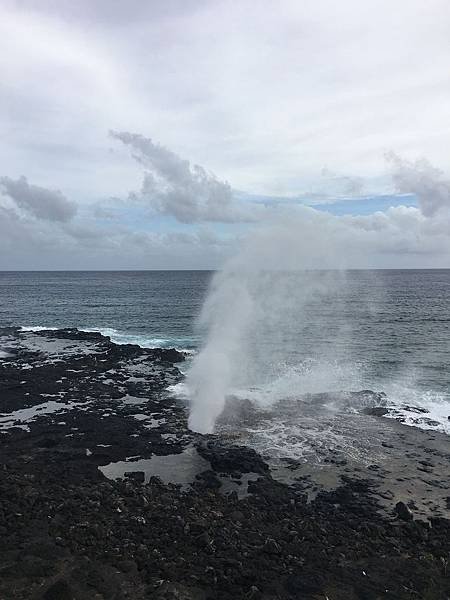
(175, 468)
(148, 422)
(180, 469)
(130, 400)
(240, 486)
(24, 415)
(57, 347)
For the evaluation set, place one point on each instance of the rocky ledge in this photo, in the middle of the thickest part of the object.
(106, 494)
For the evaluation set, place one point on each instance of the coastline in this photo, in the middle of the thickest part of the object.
(236, 526)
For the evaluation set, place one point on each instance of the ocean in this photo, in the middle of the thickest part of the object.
(387, 331)
(148, 308)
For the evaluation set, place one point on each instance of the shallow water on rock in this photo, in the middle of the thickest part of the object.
(179, 469)
(20, 418)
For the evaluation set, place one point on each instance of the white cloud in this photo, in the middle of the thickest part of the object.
(41, 228)
(264, 97)
(174, 187)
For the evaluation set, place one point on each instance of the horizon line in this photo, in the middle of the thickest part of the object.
(212, 270)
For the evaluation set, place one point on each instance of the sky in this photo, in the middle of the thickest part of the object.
(158, 135)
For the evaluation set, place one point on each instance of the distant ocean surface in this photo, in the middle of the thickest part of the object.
(397, 324)
(148, 308)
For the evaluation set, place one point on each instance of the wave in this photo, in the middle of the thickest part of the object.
(303, 386)
(183, 344)
(38, 328)
(306, 378)
(423, 408)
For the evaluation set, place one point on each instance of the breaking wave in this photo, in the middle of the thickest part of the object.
(184, 344)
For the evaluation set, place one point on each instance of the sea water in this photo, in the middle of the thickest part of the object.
(386, 330)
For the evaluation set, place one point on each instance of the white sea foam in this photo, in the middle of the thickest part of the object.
(295, 419)
(183, 344)
(331, 378)
(37, 328)
(119, 337)
(426, 409)
(302, 379)
(179, 390)
(144, 341)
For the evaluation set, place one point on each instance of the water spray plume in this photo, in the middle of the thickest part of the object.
(260, 295)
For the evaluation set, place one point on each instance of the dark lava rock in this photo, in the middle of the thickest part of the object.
(34, 566)
(176, 591)
(170, 355)
(376, 411)
(138, 476)
(271, 546)
(430, 422)
(415, 409)
(60, 590)
(67, 532)
(209, 480)
(403, 512)
(127, 566)
(232, 459)
(237, 516)
(203, 539)
(304, 583)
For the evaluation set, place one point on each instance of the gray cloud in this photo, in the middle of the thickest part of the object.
(41, 202)
(423, 180)
(40, 228)
(111, 13)
(218, 83)
(172, 186)
(43, 235)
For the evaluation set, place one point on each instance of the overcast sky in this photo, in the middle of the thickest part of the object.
(157, 134)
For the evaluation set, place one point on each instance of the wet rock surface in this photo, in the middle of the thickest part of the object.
(71, 402)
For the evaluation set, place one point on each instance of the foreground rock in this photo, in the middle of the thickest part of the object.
(72, 402)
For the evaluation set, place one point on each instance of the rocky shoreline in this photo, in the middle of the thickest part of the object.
(203, 519)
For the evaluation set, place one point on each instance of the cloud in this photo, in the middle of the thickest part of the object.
(41, 202)
(264, 98)
(422, 179)
(41, 229)
(339, 185)
(174, 187)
